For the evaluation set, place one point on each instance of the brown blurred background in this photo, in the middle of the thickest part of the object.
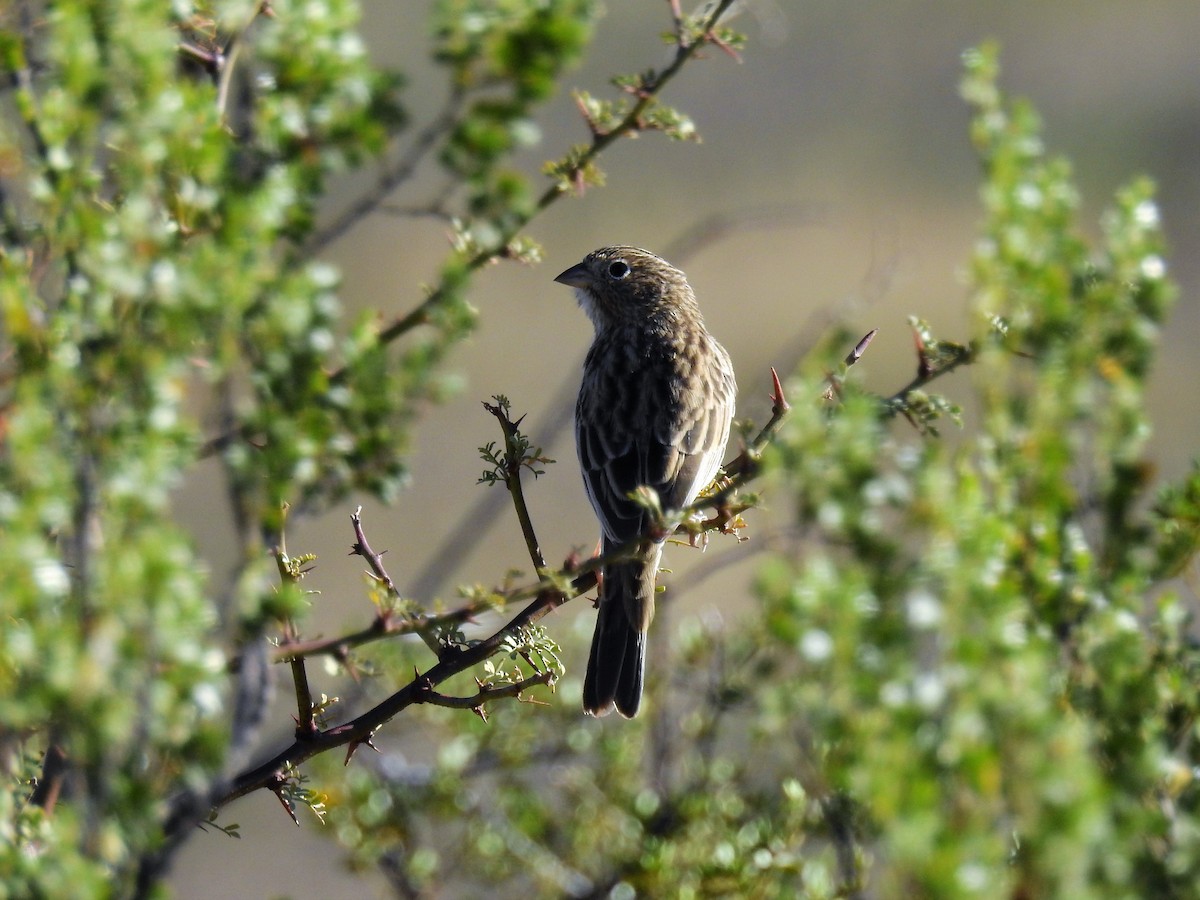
(835, 178)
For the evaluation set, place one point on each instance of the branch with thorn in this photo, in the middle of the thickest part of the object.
(552, 589)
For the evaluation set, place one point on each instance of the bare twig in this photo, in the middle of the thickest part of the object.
(360, 547)
(489, 692)
(359, 730)
(747, 461)
(339, 647)
(305, 719)
(512, 480)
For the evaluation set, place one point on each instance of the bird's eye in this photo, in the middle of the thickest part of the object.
(618, 269)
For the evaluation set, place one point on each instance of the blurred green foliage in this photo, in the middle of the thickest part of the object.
(971, 672)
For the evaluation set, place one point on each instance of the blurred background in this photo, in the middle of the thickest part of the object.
(835, 180)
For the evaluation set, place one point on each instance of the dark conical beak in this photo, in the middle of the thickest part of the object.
(577, 277)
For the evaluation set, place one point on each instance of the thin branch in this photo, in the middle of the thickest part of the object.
(747, 461)
(362, 548)
(339, 647)
(305, 712)
(895, 403)
(514, 461)
(360, 729)
(489, 692)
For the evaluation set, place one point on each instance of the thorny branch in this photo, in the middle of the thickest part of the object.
(550, 591)
(513, 461)
(489, 692)
(384, 618)
(290, 572)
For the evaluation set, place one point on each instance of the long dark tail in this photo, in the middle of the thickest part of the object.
(616, 669)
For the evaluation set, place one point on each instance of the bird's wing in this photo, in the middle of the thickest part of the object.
(676, 460)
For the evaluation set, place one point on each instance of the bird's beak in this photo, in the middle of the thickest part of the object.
(577, 277)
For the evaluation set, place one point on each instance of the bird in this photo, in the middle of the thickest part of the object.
(655, 406)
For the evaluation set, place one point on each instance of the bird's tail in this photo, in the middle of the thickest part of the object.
(616, 669)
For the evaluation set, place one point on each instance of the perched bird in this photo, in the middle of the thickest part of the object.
(654, 409)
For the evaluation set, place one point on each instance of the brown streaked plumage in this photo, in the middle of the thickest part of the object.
(654, 409)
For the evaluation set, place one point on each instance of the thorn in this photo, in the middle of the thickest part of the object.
(861, 347)
(278, 783)
(924, 368)
(778, 400)
(481, 712)
(353, 746)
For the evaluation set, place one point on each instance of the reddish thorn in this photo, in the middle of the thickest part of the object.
(924, 369)
(778, 400)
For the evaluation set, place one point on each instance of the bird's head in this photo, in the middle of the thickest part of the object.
(628, 285)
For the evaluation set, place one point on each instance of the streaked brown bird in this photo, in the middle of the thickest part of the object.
(654, 409)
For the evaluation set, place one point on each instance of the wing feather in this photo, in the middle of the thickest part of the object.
(677, 459)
